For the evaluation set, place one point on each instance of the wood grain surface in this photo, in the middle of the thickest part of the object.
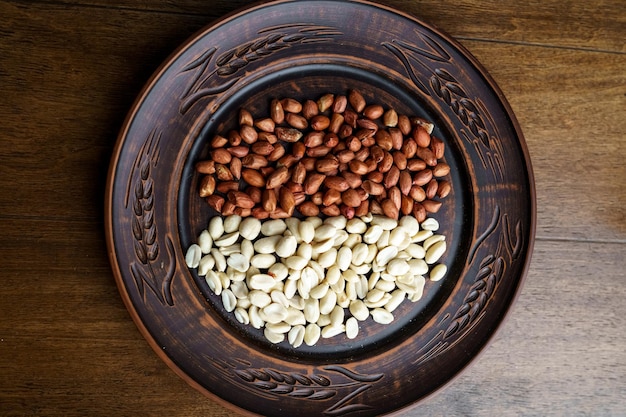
(69, 72)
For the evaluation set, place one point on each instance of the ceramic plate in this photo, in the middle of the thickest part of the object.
(302, 50)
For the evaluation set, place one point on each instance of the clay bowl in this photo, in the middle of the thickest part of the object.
(289, 49)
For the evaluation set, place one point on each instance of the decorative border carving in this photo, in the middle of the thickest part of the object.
(337, 383)
(140, 196)
(212, 78)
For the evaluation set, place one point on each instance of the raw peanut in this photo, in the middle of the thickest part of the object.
(255, 194)
(308, 209)
(254, 161)
(326, 165)
(293, 187)
(396, 138)
(309, 109)
(313, 139)
(277, 153)
(240, 199)
(223, 173)
(320, 122)
(253, 177)
(354, 180)
(362, 154)
(207, 186)
(332, 210)
(277, 178)
(218, 141)
(234, 138)
(245, 117)
(418, 121)
(216, 202)
(318, 151)
(309, 163)
(363, 134)
(363, 195)
(409, 148)
(371, 165)
(276, 111)
(260, 213)
(262, 148)
(243, 212)
(296, 121)
(415, 165)
(417, 193)
(444, 189)
(363, 208)
(331, 140)
(317, 198)
(405, 182)
(279, 213)
(441, 169)
(299, 173)
(431, 206)
(221, 156)
(239, 151)
(336, 121)
(356, 100)
(226, 186)
(235, 168)
(404, 124)
(395, 195)
(373, 111)
(377, 153)
(375, 176)
(268, 137)
(421, 136)
(350, 117)
(389, 208)
(369, 141)
(313, 182)
(330, 197)
(400, 160)
(345, 156)
(298, 150)
(351, 198)
(286, 200)
(437, 147)
(427, 156)
(287, 134)
(340, 104)
(336, 183)
(353, 143)
(384, 140)
(265, 171)
(431, 189)
(390, 118)
(358, 167)
(373, 188)
(392, 177)
(265, 125)
(205, 167)
(344, 131)
(386, 163)
(369, 125)
(248, 134)
(291, 105)
(287, 161)
(325, 102)
(375, 207)
(422, 177)
(347, 211)
(406, 206)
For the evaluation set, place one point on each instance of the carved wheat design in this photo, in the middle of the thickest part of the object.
(221, 75)
(313, 386)
(144, 228)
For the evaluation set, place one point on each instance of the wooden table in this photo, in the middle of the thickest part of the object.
(69, 71)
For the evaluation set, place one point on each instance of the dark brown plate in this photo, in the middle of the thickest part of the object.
(304, 49)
